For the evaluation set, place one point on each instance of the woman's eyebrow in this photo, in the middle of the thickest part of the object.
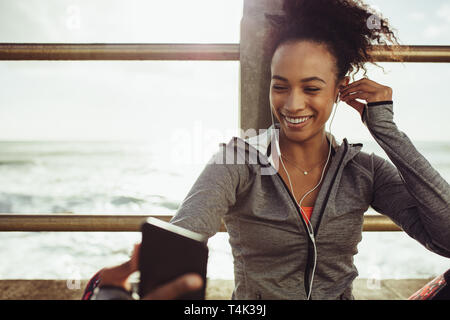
(302, 80)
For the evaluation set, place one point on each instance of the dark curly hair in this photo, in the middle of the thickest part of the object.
(349, 29)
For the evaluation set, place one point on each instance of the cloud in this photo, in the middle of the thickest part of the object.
(416, 16)
(434, 31)
(444, 12)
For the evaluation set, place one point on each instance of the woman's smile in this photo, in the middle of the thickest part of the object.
(296, 122)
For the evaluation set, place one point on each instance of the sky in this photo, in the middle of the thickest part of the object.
(141, 100)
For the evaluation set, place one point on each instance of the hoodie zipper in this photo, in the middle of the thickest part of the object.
(310, 254)
(309, 249)
(310, 257)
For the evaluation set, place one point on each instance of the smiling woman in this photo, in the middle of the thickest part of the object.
(138, 100)
(281, 249)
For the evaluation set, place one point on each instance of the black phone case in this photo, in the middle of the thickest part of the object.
(165, 255)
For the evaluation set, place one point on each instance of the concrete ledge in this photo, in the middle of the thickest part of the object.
(216, 289)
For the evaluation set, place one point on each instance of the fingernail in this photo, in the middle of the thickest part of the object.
(194, 281)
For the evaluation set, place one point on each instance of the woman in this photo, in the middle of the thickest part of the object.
(294, 228)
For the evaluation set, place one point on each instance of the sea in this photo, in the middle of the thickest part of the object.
(123, 177)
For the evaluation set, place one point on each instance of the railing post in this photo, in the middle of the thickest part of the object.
(254, 107)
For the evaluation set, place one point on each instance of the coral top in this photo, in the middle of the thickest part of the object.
(307, 211)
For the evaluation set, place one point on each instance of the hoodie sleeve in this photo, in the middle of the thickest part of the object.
(411, 192)
(212, 194)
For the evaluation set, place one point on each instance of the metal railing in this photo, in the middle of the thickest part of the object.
(107, 223)
(128, 51)
(106, 51)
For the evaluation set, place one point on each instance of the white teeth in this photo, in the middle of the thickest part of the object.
(296, 120)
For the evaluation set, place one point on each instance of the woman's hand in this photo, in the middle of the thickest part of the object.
(118, 276)
(364, 89)
(183, 284)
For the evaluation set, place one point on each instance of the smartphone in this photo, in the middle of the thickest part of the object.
(167, 252)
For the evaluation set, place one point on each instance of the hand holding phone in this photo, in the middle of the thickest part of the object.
(168, 252)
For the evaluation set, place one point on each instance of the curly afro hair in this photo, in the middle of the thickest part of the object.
(349, 29)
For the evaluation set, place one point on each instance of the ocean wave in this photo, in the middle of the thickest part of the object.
(120, 200)
(70, 153)
(7, 201)
(169, 205)
(95, 203)
(160, 202)
(16, 162)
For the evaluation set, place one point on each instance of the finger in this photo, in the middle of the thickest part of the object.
(136, 247)
(358, 95)
(355, 83)
(176, 288)
(358, 87)
(134, 260)
(364, 80)
(116, 276)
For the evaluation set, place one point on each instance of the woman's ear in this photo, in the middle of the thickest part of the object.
(344, 82)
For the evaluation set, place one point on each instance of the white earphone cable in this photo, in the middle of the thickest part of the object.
(308, 223)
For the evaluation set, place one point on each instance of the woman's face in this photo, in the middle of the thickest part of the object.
(302, 85)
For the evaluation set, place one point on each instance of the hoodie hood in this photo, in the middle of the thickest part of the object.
(266, 140)
(259, 149)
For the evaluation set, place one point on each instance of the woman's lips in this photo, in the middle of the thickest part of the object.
(296, 125)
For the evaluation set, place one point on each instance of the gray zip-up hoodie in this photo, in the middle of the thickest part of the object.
(273, 254)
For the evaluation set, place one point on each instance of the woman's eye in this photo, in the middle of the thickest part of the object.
(283, 88)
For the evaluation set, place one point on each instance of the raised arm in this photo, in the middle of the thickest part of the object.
(411, 192)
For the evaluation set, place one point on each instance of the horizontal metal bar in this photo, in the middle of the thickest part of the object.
(72, 222)
(69, 222)
(120, 51)
(180, 51)
(413, 54)
(379, 223)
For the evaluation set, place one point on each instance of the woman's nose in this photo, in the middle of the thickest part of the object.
(295, 102)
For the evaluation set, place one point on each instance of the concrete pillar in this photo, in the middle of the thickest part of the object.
(254, 106)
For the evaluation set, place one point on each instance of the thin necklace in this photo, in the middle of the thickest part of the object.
(305, 172)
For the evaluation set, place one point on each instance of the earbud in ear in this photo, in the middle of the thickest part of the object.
(338, 97)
